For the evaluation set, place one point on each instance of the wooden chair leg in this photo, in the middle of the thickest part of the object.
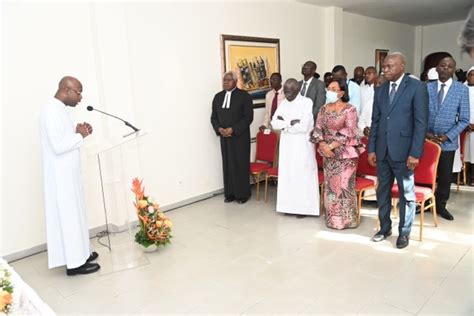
(422, 219)
(359, 205)
(457, 182)
(257, 186)
(266, 188)
(435, 214)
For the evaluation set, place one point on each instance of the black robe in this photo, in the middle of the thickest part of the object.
(235, 149)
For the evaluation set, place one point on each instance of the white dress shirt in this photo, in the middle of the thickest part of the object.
(367, 101)
(448, 84)
(307, 85)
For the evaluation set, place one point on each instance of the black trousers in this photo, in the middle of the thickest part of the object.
(445, 171)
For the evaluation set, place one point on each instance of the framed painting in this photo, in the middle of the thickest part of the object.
(253, 59)
(380, 55)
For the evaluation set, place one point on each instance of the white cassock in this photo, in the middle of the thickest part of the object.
(469, 140)
(297, 177)
(66, 222)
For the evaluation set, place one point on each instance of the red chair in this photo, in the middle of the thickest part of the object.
(425, 182)
(320, 171)
(462, 138)
(362, 183)
(264, 157)
(271, 173)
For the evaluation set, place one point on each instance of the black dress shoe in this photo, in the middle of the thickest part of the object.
(229, 199)
(86, 268)
(242, 201)
(94, 255)
(380, 235)
(402, 241)
(446, 215)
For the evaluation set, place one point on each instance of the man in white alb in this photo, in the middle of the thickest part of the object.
(297, 177)
(66, 223)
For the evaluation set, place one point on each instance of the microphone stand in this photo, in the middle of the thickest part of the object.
(118, 118)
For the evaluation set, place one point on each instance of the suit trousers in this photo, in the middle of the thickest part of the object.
(445, 173)
(387, 171)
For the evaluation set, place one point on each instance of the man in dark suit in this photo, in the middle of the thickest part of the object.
(311, 87)
(232, 114)
(449, 116)
(399, 124)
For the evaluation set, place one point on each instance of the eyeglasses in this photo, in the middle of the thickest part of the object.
(77, 92)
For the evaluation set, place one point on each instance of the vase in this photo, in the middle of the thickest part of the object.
(151, 248)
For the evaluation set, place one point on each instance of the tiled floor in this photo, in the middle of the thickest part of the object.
(247, 259)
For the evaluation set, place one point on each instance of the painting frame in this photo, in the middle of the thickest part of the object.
(239, 54)
(380, 55)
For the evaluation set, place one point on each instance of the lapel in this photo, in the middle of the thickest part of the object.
(433, 96)
(399, 92)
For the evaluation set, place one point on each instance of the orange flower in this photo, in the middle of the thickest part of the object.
(168, 223)
(161, 216)
(142, 203)
(5, 299)
(137, 188)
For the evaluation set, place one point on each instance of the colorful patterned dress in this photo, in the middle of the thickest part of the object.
(340, 199)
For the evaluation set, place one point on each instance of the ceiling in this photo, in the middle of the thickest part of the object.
(413, 12)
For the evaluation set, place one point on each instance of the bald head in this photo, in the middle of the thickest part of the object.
(69, 91)
(394, 66)
(291, 89)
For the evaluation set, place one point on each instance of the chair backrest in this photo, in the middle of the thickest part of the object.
(425, 173)
(319, 158)
(266, 147)
(462, 137)
(363, 167)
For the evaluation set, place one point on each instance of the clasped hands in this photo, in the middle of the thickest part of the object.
(325, 150)
(438, 139)
(226, 132)
(85, 129)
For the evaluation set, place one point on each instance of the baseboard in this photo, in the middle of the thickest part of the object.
(112, 227)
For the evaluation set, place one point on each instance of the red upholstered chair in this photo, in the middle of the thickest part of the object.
(362, 183)
(320, 171)
(425, 182)
(271, 173)
(264, 157)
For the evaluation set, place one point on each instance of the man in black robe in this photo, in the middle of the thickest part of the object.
(232, 113)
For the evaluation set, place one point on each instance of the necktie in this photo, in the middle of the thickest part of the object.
(303, 91)
(392, 92)
(274, 104)
(441, 95)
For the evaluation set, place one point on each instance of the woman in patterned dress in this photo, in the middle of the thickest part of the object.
(337, 134)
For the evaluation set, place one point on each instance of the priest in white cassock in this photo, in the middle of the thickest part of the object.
(469, 140)
(297, 177)
(66, 223)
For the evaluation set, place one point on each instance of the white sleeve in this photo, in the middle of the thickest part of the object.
(59, 136)
(279, 124)
(306, 123)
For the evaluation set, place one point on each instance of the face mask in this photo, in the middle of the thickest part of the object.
(331, 97)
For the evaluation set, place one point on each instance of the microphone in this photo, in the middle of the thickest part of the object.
(90, 108)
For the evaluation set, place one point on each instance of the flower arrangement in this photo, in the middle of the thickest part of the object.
(155, 227)
(6, 290)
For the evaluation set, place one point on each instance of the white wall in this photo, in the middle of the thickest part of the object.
(363, 35)
(156, 64)
(443, 37)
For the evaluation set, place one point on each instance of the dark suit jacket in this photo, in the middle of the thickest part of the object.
(317, 93)
(399, 128)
